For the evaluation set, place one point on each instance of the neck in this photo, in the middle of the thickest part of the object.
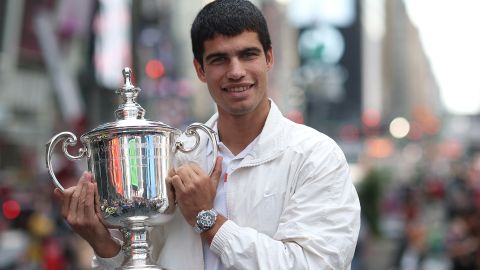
(237, 132)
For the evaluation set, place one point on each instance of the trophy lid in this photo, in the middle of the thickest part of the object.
(129, 114)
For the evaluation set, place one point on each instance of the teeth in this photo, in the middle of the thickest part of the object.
(237, 89)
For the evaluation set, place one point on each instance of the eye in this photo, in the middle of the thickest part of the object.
(217, 60)
(249, 55)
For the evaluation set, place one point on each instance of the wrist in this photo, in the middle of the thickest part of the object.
(107, 248)
(210, 234)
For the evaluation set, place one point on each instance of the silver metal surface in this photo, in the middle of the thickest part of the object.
(130, 160)
(131, 170)
(69, 139)
(192, 131)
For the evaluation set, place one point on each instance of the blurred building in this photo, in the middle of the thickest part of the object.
(398, 82)
(410, 88)
(27, 109)
(329, 72)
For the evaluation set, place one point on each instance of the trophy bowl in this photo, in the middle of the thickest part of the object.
(130, 159)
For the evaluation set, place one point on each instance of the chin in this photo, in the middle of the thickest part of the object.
(241, 111)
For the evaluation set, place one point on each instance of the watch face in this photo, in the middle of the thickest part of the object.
(206, 220)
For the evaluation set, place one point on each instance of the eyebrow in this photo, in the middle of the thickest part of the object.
(242, 51)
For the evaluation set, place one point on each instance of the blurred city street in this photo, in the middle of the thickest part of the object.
(391, 81)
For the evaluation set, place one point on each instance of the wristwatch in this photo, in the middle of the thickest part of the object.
(205, 220)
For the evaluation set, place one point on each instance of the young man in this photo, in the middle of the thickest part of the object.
(282, 194)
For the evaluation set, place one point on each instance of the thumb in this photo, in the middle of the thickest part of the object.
(217, 170)
(87, 176)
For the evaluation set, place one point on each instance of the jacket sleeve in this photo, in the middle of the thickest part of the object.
(109, 263)
(318, 228)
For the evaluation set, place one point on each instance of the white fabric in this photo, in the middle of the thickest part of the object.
(291, 205)
(229, 164)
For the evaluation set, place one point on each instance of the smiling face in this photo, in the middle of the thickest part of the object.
(235, 70)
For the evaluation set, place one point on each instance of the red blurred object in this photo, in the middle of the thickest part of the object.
(53, 255)
(371, 118)
(154, 69)
(436, 189)
(11, 209)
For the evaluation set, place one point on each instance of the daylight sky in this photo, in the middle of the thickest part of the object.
(449, 33)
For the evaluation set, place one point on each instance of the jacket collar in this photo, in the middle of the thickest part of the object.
(271, 140)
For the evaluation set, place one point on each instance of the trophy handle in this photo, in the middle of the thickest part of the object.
(192, 131)
(69, 139)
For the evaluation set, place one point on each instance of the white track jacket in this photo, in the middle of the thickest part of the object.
(291, 205)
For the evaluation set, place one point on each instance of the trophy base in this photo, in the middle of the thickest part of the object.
(135, 248)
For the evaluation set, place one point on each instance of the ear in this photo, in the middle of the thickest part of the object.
(200, 71)
(269, 57)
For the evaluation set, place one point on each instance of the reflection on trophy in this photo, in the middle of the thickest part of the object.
(130, 159)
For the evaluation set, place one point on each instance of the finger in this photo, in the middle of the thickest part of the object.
(83, 183)
(96, 197)
(194, 170)
(186, 173)
(177, 184)
(83, 193)
(170, 191)
(89, 177)
(90, 202)
(81, 211)
(98, 210)
(198, 170)
(67, 198)
(169, 181)
(73, 207)
(86, 177)
(217, 170)
(172, 172)
(195, 167)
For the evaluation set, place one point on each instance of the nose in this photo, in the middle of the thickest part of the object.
(235, 69)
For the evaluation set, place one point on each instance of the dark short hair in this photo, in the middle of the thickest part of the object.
(227, 18)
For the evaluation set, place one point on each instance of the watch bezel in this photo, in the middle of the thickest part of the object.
(203, 224)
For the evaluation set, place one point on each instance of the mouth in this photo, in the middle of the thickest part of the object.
(237, 89)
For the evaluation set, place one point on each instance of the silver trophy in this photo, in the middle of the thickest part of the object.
(130, 160)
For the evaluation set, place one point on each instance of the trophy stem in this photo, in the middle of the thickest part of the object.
(135, 248)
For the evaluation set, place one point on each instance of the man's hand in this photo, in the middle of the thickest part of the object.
(194, 189)
(80, 208)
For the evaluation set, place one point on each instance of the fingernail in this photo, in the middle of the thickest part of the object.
(87, 176)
